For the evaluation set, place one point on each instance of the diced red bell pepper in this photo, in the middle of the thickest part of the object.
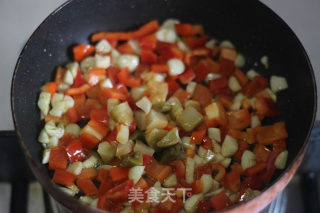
(262, 153)
(232, 181)
(224, 91)
(158, 171)
(187, 76)
(188, 29)
(127, 79)
(201, 170)
(195, 41)
(63, 177)
(226, 67)
(66, 139)
(253, 182)
(78, 80)
(179, 167)
(197, 136)
(98, 127)
(119, 174)
(172, 86)
(279, 146)
(58, 158)
(75, 151)
(59, 76)
(125, 48)
(104, 203)
(148, 57)
(100, 115)
(267, 174)
(102, 175)
(207, 143)
(111, 136)
(78, 91)
(266, 135)
(254, 170)
(159, 68)
(88, 141)
(148, 42)
(248, 137)
(226, 101)
(237, 167)
(106, 93)
(120, 192)
(87, 173)
(81, 51)
(96, 75)
(87, 186)
(242, 146)
(50, 87)
(104, 187)
(220, 201)
(239, 119)
(257, 84)
(203, 206)
(72, 115)
(112, 73)
(221, 171)
(218, 83)
(241, 77)
(201, 70)
(147, 159)
(168, 51)
(266, 107)
(203, 95)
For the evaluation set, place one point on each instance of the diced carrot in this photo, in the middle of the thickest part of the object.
(197, 186)
(88, 141)
(118, 174)
(63, 177)
(158, 171)
(182, 95)
(82, 50)
(58, 158)
(88, 173)
(148, 57)
(142, 184)
(96, 75)
(197, 136)
(232, 181)
(262, 153)
(159, 68)
(125, 48)
(78, 91)
(87, 186)
(146, 29)
(226, 101)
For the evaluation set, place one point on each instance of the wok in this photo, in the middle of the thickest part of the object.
(251, 26)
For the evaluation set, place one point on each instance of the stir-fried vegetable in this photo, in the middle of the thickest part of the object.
(156, 109)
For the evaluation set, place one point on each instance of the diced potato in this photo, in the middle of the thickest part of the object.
(240, 61)
(207, 182)
(191, 204)
(91, 161)
(214, 134)
(207, 155)
(122, 113)
(265, 61)
(111, 103)
(103, 47)
(128, 60)
(111, 124)
(229, 146)
(190, 166)
(107, 151)
(102, 61)
(226, 162)
(68, 78)
(153, 136)
(135, 173)
(135, 46)
(234, 84)
(87, 64)
(140, 117)
(86, 200)
(278, 83)
(191, 87)
(255, 121)
(106, 83)
(144, 104)
(75, 167)
(137, 92)
(142, 148)
(73, 129)
(176, 66)
(45, 156)
(123, 134)
(156, 120)
(158, 197)
(123, 149)
(248, 159)
(281, 160)
(52, 130)
(44, 102)
(170, 181)
(73, 68)
(251, 74)
(237, 101)
(212, 76)
(166, 35)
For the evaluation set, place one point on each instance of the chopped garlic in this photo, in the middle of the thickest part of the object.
(52, 130)
(227, 44)
(128, 60)
(251, 74)
(44, 102)
(176, 66)
(46, 156)
(278, 83)
(68, 78)
(265, 61)
(281, 160)
(102, 61)
(73, 129)
(248, 159)
(106, 83)
(255, 121)
(240, 61)
(166, 35)
(211, 43)
(135, 46)
(43, 137)
(87, 64)
(233, 84)
(229, 146)
(73, 68)
(191, 87)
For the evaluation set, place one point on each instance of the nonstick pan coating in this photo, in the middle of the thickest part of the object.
(253, 28)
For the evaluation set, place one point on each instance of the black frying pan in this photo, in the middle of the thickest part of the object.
(251, 26)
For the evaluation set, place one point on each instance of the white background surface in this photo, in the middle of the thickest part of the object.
(19, 18)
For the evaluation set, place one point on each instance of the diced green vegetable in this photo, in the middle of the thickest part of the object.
(142, 148)
(192, 103)
(122, 113)
(162, 107)
(107, 151)
(134, 159)
(153, 136)
(137, 135)
(189, 119)
(175, 111)
(172, 153)
(170, 139)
